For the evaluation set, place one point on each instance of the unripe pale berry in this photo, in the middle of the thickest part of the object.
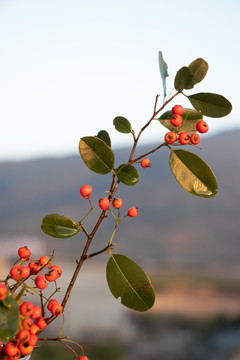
(176, 120)
(195, 139)
(24, 252)
(117, 203)
(184, 138)
(3, 291)
(178, 110)
(170, 137)
(41, 282)
(86, 191)
(202, 126)
(132, 212)
(104, 203)
(145, 163)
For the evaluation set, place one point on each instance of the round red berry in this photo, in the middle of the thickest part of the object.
(37, 312)
(26, 308)
(25, 348)
(86, 191)
(27, 323)
(104, 203)
(15, 272)
(51, 303)
(11, 348)
(178, 110)
(170, 137)
(145, 163)
(41, 282)
(83, 358)
(132, 212)
(24, 252)
(25, 272)
(33, 339)
(184, 138)
(23, 335)
(3, 291)
(41, 323)
(176, 120)
(44, 261)
(195, 139)
(117, 203)
(34, 267)
(56, 309)
(202, 126)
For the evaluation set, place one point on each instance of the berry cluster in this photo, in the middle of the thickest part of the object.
(32, 319)
(104, 203)
(184, 138)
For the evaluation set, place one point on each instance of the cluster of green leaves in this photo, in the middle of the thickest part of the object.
(125, 278)
(9, 318)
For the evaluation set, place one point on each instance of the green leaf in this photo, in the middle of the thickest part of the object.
(59, 226)
(199, 68)
(212, 105)
(192, 173)
(127, 280)
(9, 318)
(96, 154)
(190, 119)
(163, 71)
(122, 125)
(183, 79)
(127, 174)
(103, 134)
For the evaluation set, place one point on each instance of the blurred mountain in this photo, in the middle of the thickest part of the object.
(173, 229)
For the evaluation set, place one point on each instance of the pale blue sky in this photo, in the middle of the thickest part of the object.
(68, 67)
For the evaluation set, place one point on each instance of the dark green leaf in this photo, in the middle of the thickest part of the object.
(103, 134)
(127, 280)
(127, 174)
(59, 226)
(190, 119)
(192, 173)
(9, 318)
(96, 154)
(183, 79)
(122, 125)
(163, 71)
(199, 68)
(212, 105)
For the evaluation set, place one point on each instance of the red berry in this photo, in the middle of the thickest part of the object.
(37, 312)
(24, 252)
(178, 110)
(184, 138)
(170, 137)
(34, 329)
(202, 126)
(132, 212)
(3, 291)
(86, 191)
(104, 203)
(33, 339)
(15, 273)
(176, 120)
(56, 268)
(25, 272)
(10, 348)
(25, 348)
(41, 323)
(27, 323)
(35, 267)
(41, 282)
(23, 335)
(52, 275)
(195, 139)
(117, 203)
(44, 261)
(83, 358)
(51, 303)
(56, 309)
(145, 163)
(26, 308)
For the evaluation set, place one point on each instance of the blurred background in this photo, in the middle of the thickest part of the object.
(67, 68)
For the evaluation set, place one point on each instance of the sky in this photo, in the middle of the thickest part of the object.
(69, 67)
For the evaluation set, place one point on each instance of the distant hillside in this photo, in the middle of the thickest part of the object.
(173, 228)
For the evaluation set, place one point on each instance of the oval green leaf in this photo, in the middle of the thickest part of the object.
(193, 174)
(96, 154)
(190, 119)
(127, 280)
(122, 125)
(9, 318)
(127, 174)
(103, 134)
(212, 105)
(199, 68)
(183, 79)
(59, 226)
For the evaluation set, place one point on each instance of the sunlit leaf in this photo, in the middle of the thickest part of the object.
(127, 174)
(212, 105)
(127, 280)
(59, 226)
(192, 173)
(96, 154)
